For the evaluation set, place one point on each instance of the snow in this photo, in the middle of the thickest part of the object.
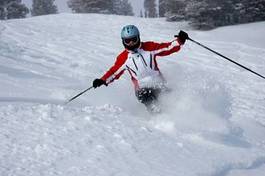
(213, 120)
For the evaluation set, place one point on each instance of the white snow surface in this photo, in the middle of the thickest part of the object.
(212, 124)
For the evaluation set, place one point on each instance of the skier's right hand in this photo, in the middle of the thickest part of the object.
(98, 83)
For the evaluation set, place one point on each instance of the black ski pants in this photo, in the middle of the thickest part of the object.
(148, 96)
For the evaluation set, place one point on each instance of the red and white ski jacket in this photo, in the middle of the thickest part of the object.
(141, 64)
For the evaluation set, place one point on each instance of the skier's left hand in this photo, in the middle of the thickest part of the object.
(183, 36)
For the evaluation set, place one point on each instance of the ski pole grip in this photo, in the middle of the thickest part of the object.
(176, 36)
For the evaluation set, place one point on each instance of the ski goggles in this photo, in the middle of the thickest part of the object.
(134, 40)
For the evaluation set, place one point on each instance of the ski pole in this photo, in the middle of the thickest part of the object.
(79, 94)
(225, 57)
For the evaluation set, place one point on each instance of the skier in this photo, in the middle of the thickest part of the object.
(140, 60)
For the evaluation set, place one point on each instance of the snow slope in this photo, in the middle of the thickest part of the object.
(213, 122)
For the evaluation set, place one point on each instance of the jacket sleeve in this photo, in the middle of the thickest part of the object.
(163, 49)
(117, 69)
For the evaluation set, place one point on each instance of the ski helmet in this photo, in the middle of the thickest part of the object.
(130, 36)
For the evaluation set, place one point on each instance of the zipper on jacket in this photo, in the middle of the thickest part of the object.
(135, 64)
(143, 59)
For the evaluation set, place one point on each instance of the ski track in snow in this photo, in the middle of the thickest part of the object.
(213, 122)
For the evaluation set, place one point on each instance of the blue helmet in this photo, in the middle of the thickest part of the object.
(129, 31)
(130, 36)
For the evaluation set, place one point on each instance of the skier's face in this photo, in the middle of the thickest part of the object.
(131, 43)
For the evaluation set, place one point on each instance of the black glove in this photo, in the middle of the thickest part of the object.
(98, 83)
(183, 36)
